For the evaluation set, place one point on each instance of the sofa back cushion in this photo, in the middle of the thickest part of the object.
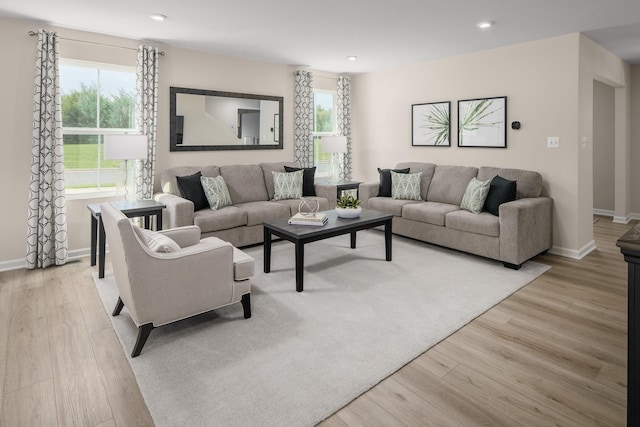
(168, 180)
(267, 168)
(245, 183)
(528, 183)
(449, 183)
(427, 170)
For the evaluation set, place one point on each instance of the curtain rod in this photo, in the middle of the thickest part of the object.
(33, 33)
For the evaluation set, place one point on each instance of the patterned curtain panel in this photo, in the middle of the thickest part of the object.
(146, 117)
(344, 121)
(303, 118)
(47, 220)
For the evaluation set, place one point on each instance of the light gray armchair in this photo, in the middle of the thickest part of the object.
(170, 275)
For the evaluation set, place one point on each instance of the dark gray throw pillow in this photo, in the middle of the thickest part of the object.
(385, 181)
(500, 191)
(308, 178)
(190, 188)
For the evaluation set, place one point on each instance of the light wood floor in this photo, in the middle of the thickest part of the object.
(554, 353)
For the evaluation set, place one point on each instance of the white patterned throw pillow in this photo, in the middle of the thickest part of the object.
(216, 191)
(287, 185)
(475, 195)
(405, 186)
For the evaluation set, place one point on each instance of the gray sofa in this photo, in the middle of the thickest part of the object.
(251, 189)
(521, 231)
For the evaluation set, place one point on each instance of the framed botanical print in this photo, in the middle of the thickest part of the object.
(431, 124)
(482, 122)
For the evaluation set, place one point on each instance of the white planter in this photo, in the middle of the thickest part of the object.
(349, 212)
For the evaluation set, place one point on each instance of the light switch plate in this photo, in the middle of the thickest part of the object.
(553, 142)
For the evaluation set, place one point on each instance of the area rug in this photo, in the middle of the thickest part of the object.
(303, 356)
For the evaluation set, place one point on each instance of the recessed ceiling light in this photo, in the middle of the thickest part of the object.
(158, 17)
(485, 24)
(352, 58)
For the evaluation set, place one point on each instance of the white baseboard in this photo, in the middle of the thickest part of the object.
(572, 253)
(604, 212)
(22, 262)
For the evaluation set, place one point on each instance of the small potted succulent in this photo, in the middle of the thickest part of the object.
(348, 206)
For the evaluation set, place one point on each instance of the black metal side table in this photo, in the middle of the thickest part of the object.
(134, 208)
(343, 186)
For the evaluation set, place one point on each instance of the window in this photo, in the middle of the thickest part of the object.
(324, 120)
(97, 99)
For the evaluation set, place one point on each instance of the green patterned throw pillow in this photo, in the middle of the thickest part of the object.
(288, 185)
(405, 185)
(216, 191)
(475, 195)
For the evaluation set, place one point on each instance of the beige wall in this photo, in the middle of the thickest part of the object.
(540, 82)
(179, 67)
(603, 147)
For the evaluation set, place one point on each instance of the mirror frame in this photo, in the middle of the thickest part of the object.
(173, 133)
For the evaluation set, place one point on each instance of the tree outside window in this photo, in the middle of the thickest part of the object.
(324, 120)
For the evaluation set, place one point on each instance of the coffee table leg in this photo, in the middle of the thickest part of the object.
(353, 240)
(267, 250)
(94, 239)
(102, 240)
(387, 240)
(299, 265)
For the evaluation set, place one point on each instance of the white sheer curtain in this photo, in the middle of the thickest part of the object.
(146, 117)
(47, 217)
(303, 118)
(344, 122)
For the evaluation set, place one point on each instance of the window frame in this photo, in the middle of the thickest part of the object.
(97, 191)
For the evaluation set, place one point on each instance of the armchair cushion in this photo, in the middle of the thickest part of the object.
(155, 241)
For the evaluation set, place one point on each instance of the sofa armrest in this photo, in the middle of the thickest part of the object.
(525, 229)
(184, 236)
(329, 192)
(367, 191)
(179, 211)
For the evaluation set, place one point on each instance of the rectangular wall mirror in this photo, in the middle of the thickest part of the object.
(203, 120)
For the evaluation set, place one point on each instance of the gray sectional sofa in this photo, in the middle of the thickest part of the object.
(251, 189)
(521, 231)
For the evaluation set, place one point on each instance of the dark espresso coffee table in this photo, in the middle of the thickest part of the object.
(300, 235)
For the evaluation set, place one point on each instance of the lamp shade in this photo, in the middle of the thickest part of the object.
(125, 147)
(334, 144)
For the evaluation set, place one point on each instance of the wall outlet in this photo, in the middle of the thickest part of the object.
(553, 142)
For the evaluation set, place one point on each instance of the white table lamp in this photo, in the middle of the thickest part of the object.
(125, 147)
(336, 145)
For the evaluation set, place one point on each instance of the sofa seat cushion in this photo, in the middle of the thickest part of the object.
(260, 212)
(429, 212)
(482, 223)
(221, 219)
(388, 205)
(323, 204)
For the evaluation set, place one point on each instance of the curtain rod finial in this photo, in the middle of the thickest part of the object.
(32, 33)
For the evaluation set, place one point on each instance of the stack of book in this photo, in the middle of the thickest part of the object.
(318, 219)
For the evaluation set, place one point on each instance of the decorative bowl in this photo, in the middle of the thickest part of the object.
(349, 212)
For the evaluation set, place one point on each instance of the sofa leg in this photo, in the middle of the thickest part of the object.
(143, 334)
(246, 305)
(118, 307)
(512, 266)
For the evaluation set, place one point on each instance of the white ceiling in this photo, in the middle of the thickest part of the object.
(320, 35)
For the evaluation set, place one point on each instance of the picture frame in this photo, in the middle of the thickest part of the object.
(431, 124)
(482, 122)
(276, 128)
